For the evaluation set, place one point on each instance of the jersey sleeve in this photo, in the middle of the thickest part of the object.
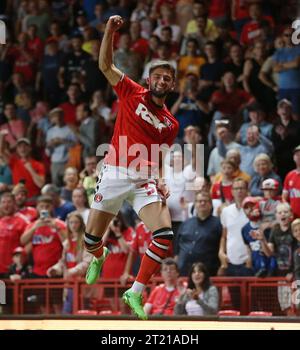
(127, 88)
(286, 186)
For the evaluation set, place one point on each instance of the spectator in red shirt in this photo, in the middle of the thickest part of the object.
(118, 240)
(140, 244)
(219, 10)
(24, 59)
(12, 226)
(230, 99)
(239, 14)
(70, 106)
(254, 29)
(138, 44)
(21, 196)
(26, 169)
(35, 44)
(162, 299)
(228, 102)
(221, 192)
(291, 187)
(46, 235)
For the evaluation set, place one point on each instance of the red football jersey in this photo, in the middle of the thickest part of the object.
(46, 246)
(71, 254)
(142, 239)
(159, 297)
(30, 213)
(115, 262)
(217, 189)
(142, 122)
(19, 172)
(11, 229)
(291, 186)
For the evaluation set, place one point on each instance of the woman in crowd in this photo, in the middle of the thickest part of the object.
(200, 298)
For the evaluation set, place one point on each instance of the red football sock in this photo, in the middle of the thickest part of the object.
(152, 259)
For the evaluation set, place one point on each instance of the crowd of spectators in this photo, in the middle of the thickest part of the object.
(237, 92)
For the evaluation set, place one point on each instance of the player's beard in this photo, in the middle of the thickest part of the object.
(156, 93)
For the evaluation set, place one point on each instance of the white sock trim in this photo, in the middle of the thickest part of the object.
(137, 287)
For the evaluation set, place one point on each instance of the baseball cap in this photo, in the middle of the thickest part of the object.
(25, 140)
(296, 149)
(270, 184)
(250, 200)
(282, 101)
(19, 250)
(55, 110)
(163, 64)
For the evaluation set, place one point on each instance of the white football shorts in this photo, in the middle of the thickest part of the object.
(117, 184)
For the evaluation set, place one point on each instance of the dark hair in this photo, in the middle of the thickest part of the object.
(44, 199)
(204, 193)
(86, 107)
(192, 40)
(169, 262)
(240, 179)
(119, 219)
(85, 196)
(206, 282)
(7, 194)
(167, 28)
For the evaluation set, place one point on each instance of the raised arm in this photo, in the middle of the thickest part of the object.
(111, 72)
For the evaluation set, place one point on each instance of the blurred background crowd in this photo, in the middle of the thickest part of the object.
(237, 92)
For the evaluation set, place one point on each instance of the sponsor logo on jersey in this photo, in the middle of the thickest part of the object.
(150, 118)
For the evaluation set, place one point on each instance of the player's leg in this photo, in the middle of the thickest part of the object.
(157, 218)
(97, 224)
(108, 199)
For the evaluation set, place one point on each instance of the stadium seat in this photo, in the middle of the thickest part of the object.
(109, 312)
(229, 313)
(260, 313)
(101, 304)
(86, 312)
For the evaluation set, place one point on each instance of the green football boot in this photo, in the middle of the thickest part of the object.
(134, 301)
(95, 267)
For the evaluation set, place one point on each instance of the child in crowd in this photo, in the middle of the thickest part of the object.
(262, 265)
(296, 234)
(221, 191)
(75, 260)
(270, 201)
(19, 268)
(281, 244)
